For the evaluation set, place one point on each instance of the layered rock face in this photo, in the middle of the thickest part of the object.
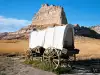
(50, 15)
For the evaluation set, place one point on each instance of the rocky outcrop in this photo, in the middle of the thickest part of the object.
(46, 16)
(96, 28)
(85, 31)
(50, 14)
(13, 36)
(3, 35)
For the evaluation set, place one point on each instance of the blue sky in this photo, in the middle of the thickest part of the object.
(15, 14)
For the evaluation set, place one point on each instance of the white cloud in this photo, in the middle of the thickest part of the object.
(12, 24)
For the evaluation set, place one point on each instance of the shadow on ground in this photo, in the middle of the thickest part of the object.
(87, 66)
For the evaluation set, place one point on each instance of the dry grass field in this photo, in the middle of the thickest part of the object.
(13, 46)
(89, 48)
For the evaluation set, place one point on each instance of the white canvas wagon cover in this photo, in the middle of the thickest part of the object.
(57, 37)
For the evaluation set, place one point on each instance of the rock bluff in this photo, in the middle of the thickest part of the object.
(50, 14)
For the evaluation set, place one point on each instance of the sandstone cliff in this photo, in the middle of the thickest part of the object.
(50, 15)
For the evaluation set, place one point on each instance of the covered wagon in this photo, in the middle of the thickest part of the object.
(53, 44)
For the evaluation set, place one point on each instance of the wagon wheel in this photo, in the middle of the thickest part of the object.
(72, 60)
(52, 56)
(28, 54)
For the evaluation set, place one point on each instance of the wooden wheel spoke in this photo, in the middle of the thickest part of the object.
(55, 63)
(54, 56)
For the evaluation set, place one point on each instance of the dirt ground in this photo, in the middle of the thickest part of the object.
(14, 66)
